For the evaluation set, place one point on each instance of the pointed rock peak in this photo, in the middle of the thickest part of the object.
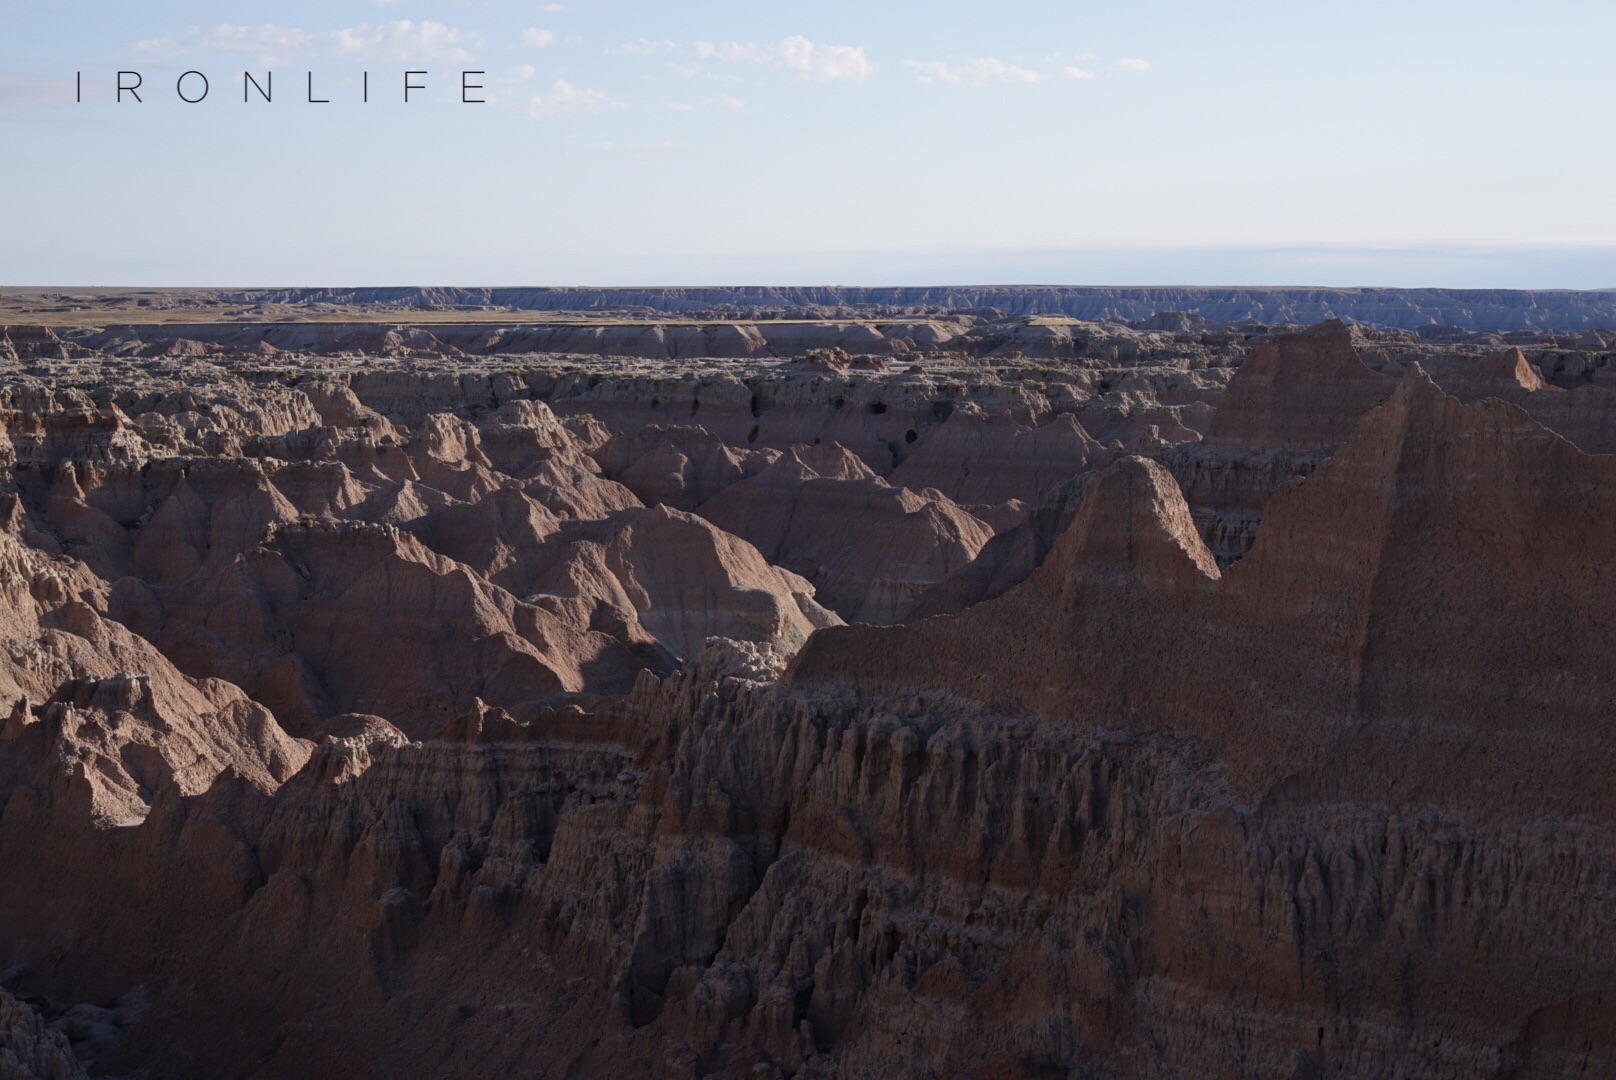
(403, 504)
(1067, 422)
(20, 717)
(448, 439)
(1298, 392)
(1510, 368)
(661, 514)
(832, 461)
(1066, 428)
(1423, 429)
(1419, 399)
(1135, 521)
(338, 406)
(1335, 328)
(1417, 380)
(589, 433)
(1327, 349)
(65, 484)
(12, 514)
(1414, 394)
(526, 413)
(527, 422)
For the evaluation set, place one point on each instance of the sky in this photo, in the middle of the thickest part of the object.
(1196, 142)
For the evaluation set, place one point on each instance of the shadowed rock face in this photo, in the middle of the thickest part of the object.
(870, 546)
(468, 720)
(1367, 616)
(1299, 392)
(31, 1051)
(975, 458)
(1286, 409)
(1582, 414)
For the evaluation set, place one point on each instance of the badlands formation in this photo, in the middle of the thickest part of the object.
(930, 692)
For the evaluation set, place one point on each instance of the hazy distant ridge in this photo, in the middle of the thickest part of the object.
(1408, 309)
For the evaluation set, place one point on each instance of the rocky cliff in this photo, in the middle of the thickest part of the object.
(1153, 717)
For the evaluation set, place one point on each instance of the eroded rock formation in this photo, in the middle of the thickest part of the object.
(1050, 710)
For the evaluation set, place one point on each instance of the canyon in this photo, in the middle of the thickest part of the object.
(815, 683)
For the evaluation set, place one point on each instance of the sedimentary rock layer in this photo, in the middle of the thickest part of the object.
(1231, 705)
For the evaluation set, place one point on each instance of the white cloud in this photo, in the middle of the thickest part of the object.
(798, 54)
(564, 97)
(1077, 73)
(403, 40)
(553, 9)
(824, 61)
(733, 104)
(978, 72)
(1128, 63)
(537, 38)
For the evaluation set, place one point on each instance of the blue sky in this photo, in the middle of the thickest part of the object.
(1153, 142)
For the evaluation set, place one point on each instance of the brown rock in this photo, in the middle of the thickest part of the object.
(973, 457)
(680, 467)
(1364, 597)
(1287, 407)
(1299, 392)
(675, 579)
(30, 1051)
(1337, 808)
(868, 547)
